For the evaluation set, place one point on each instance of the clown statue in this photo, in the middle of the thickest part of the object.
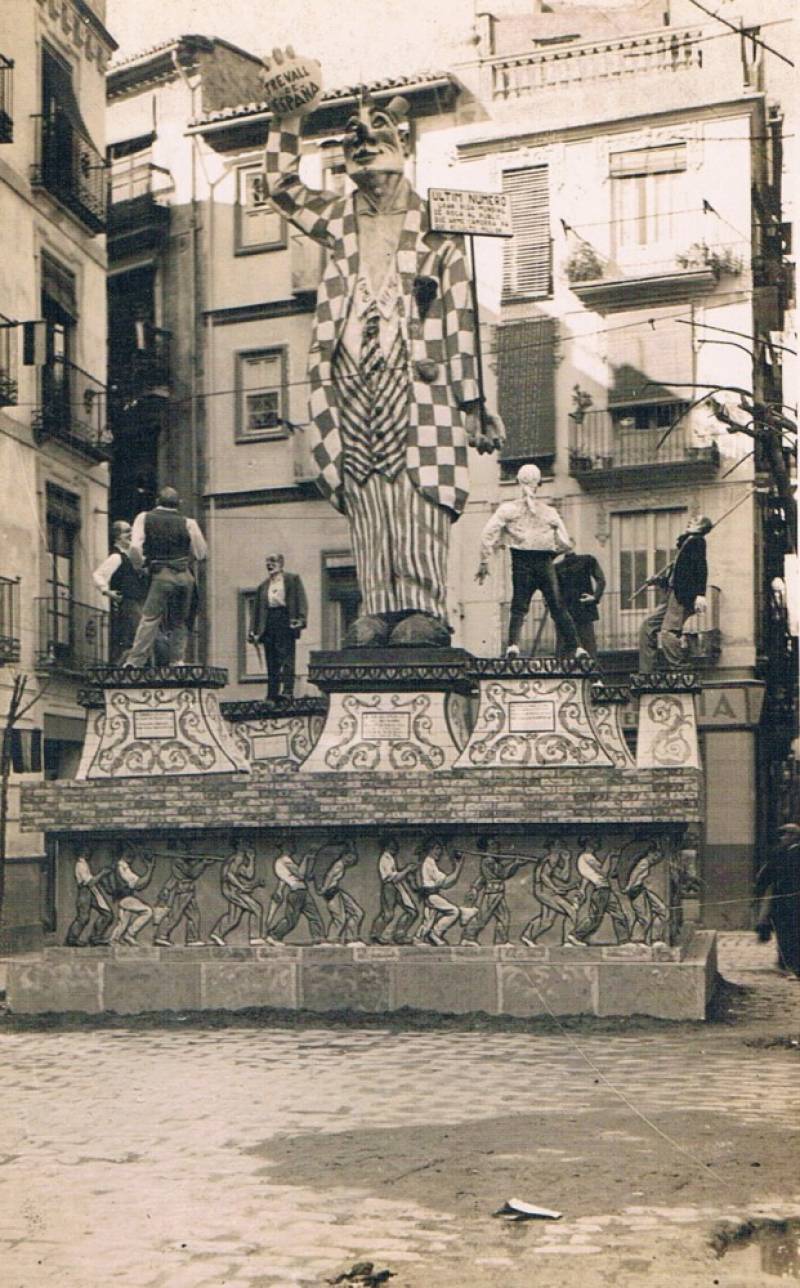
(394, 399)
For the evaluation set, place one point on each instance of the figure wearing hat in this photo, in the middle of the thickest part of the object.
(394, 396)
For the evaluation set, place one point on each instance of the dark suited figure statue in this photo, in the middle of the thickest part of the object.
(280, 613)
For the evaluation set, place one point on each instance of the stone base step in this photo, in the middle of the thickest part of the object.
(667, 983)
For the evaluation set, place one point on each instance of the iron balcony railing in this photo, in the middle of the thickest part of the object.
(599, 442)
(8, 362)
(617, 629)
(71, 169)
(9, 619)
(6, 99)
(71, 636)
(73, 409)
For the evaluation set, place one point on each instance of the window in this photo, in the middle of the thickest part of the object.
(6, 99)
(67, 163)
(258, 225)
(60, 311)
(643, 543)
(527, 261)
(526, 385)
(8, 362)
(131, 175)
(647, 195)
(63, 526)
(251, 658)
(341, 598)
(261, 382)
(646, 357)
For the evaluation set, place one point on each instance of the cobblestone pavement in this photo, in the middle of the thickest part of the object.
(261, 1157)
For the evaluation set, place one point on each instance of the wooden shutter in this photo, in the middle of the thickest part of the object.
(526, 384)
(526, 267)
(641, 354)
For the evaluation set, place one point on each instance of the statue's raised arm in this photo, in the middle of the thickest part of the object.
(394, 394)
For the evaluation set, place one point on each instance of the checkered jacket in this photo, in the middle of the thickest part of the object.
(439, 338)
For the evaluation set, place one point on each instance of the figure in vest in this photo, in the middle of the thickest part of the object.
(168, 542)
(394, 399)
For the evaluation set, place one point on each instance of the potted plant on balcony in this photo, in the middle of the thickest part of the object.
(721, 260)
(581, 402)
(583, 264)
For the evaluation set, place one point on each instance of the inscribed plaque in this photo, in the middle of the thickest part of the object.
(378, 726)
(531, 717)
(154, 724)
(270, 746)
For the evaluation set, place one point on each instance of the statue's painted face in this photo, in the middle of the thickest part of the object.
(372, 143)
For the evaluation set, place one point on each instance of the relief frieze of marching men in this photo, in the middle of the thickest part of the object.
(567, 890)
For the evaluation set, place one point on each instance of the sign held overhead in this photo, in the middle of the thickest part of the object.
(478, 214)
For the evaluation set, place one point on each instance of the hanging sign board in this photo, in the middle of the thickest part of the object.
(479, 214)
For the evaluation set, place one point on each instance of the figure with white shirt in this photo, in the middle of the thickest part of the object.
(169, 542)
(121, 579)
(92, 904)
(397, 901)
(535, 534)
(440, 913)
(293, 874)
(280, 613)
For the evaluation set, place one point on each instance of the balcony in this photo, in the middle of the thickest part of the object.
(617, 630)
(8, 362)
(664, 52)
(142, 373)
(6, 99)
(138, 216)
(72, 410)
(9, 619)
(604, 452)
(71, 169)
(70, 636)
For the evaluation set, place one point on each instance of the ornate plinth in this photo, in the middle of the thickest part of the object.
(391, 710)
(156, 722)
(546, 713)
(280, 735)
(667, 720)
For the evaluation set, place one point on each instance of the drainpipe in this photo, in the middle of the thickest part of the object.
(194, 232)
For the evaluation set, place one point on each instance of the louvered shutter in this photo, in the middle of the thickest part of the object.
(526, 268)
(526, 388)
(642, 354)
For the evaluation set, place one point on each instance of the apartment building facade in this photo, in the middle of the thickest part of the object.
(637, 161)
(54, 438)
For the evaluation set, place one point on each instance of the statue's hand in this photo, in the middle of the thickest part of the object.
(485, 437)
(292, 85)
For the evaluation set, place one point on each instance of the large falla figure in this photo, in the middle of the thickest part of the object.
(394, 396)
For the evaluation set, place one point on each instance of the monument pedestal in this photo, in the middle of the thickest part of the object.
(391, 710)
(157, 722)
(278, 734)
(667, 736)
(543, 712)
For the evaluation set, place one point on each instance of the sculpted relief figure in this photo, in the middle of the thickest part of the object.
(394, 396)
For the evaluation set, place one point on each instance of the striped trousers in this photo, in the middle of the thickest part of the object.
(400, 542)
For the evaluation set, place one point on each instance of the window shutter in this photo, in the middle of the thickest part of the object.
(526, 384)
(639, 354)
(661, 160)
(526, 268)
(59, 284)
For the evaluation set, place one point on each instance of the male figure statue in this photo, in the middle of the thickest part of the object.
(394, 397)
(168, 541)
(535, 533)
(397, 901)
(489, 891)
(346, 913)
(92, 904)
(280, 613)
(121, 579)
(237, 882)
(295, 875)
(582, 584)
(684, 582)
(185, 869)
(133, 913)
